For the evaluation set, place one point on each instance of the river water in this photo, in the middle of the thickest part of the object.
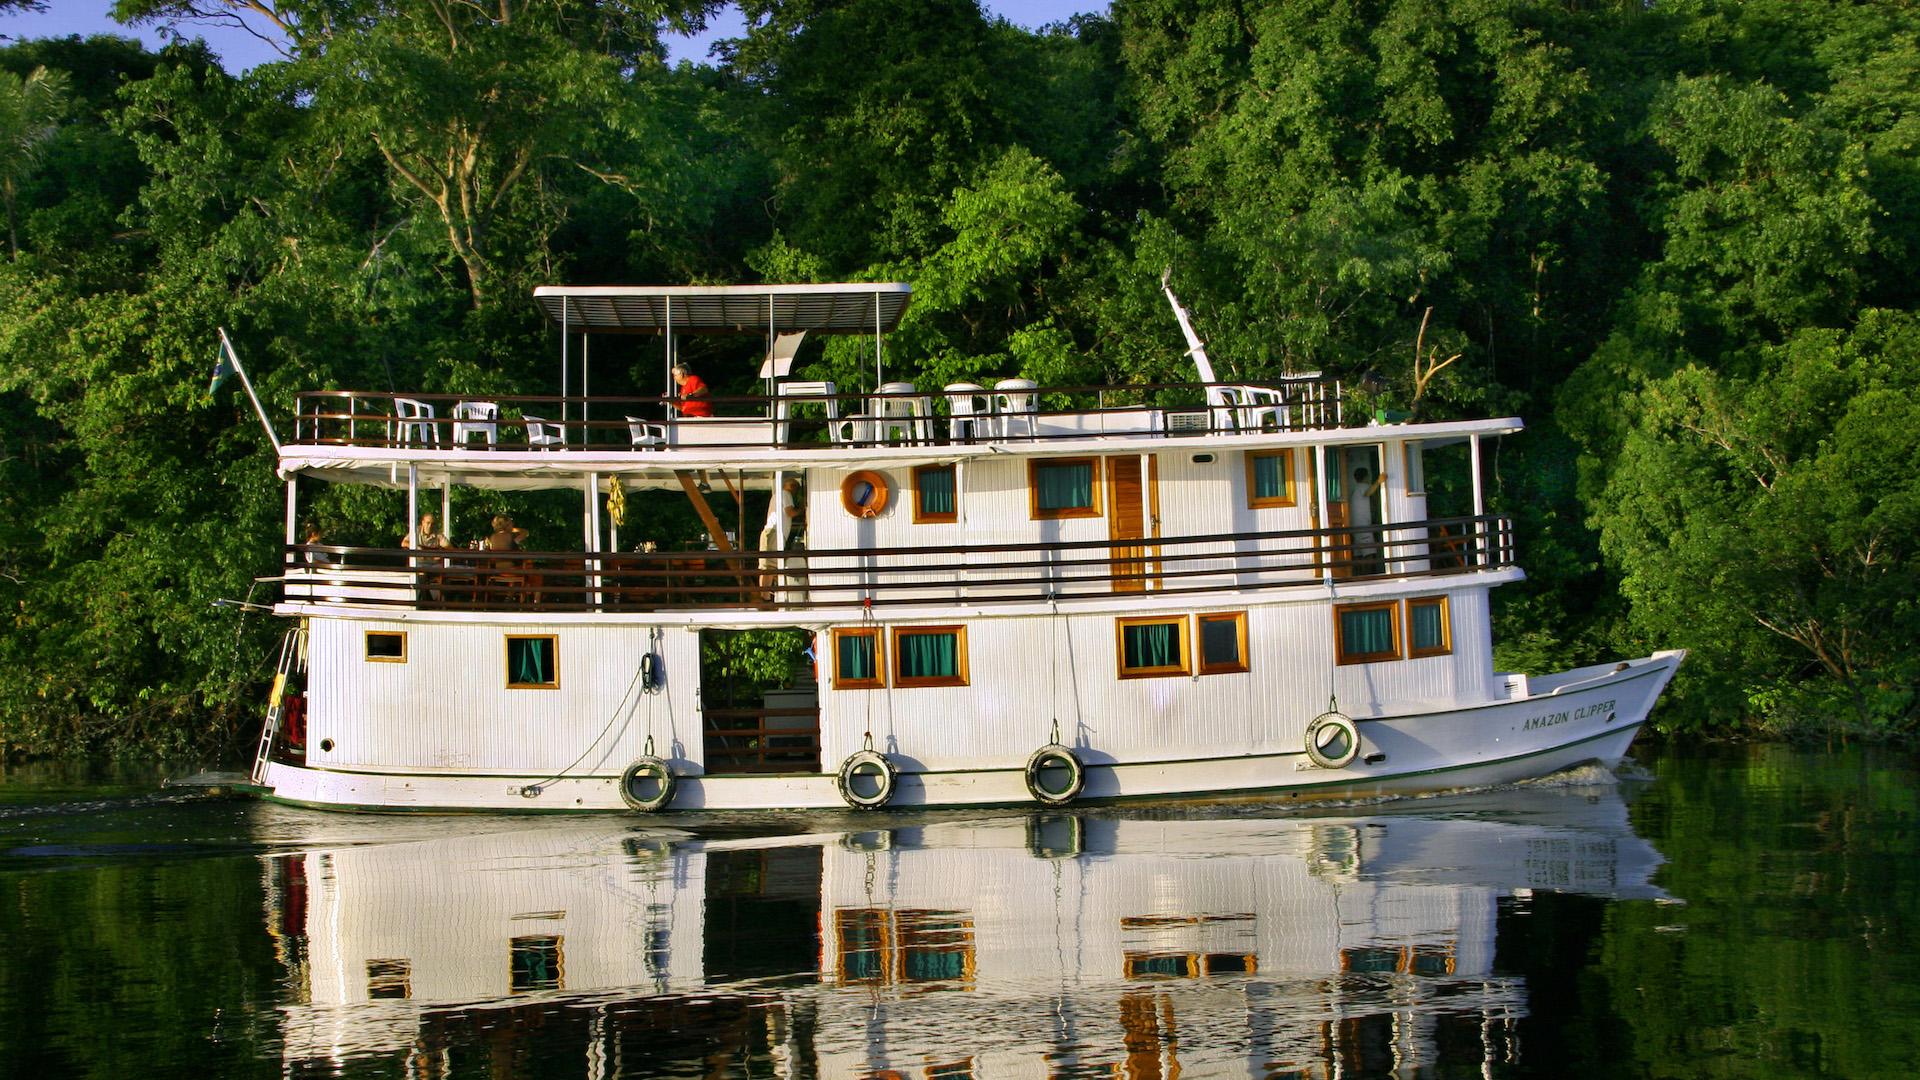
(1748, 911)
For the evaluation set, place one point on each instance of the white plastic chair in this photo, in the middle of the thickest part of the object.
(804, 393)
(898, 412)
(415, 422)
(544, 434)
(480, 418)
(967, 411)
(1014, 402)
(646, 434)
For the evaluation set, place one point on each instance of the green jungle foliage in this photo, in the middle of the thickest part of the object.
(1676, 238)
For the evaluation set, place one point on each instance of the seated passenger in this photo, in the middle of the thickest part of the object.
(506, 535)
(426, 536)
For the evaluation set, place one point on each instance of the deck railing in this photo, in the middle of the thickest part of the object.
(811, 418)
(1223, 563)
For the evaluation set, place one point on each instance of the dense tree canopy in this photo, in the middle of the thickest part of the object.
(1675, 238)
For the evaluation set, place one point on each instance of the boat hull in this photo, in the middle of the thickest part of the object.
(1590, 715)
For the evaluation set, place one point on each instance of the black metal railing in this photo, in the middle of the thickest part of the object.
(812, 418)
(527, 581)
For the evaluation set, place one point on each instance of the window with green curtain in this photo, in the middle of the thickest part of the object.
(1367, 632)
(1425, 622)
(1270, 479)
(856, 657)
(1063, 485)
(1151, 645)
(535, 963)
(1220, 643)
(928, 655)
(530, 661)
(933, 965)
(934, 484)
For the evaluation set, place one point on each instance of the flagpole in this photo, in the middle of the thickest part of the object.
(248, 383)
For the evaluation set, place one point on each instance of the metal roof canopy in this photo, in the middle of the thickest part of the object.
(841, 308)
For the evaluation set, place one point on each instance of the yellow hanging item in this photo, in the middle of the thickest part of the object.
(617, 502)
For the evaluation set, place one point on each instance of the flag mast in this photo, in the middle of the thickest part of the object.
(229, 357)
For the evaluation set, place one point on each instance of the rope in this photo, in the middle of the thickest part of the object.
(533, 790)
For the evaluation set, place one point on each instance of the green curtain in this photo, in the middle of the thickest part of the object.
(929, 656)
(1270, 479)
(927, 965)
(936, 490)
(1367, 632)
(1425, 623)
(856, 656)
(530, 660)
(1220, 641)
(1152, 645)
(1064, 487)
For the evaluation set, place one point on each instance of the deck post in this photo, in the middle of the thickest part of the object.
(1479, 504)
(413, 505)
(293, 509)
(566, 376)
(593, 533)
(1322, 553)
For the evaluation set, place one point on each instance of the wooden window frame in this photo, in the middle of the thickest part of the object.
(959, 633)
(1239, 620)
(1292, 496)
(507, 657)
(1120, 647)
(1445, 647)
(879, 680)
(1345, 658)
(366, 647)
(1094, 484)
(920, 516)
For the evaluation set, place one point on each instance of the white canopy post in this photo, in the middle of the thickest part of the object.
(593, 533)
(878, 379)
(413, 506)
(446, 508)
(586, 367)
(293, 509)
(566, 342)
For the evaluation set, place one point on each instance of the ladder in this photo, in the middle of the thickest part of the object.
(292, 657)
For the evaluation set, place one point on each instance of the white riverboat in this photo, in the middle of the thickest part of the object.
(1007, 593)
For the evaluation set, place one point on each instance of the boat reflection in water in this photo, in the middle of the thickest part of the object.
(1210, 941)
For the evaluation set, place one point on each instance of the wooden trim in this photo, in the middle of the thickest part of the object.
(875, 506)
(1290, 496)
(1446, 626)
(367, 647)
(959, 633)
(879, 680)
(1120, 647)
(507, 656)
(1239, 620)
(1094, 484)
(920, 516)
(1343, 657)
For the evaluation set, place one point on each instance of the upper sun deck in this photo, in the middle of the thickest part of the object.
(528, 440)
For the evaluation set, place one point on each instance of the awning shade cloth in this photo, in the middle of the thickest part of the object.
(846, 308)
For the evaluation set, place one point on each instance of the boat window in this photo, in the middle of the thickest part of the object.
(1064, 487)
(387, 646)
(934, 495)
(1146, 965)
(389, 979)
(1367, 633)
(930, 656)
(1428, 632)
(1270, 478)
(533, 662)
(856, 658)
(1223, 642)
(1152, 646)
(537, 963)
(1230, 964)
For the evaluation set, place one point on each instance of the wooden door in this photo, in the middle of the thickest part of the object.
(1330, 547)
(1128, 509)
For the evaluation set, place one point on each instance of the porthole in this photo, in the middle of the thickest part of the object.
(864, 494)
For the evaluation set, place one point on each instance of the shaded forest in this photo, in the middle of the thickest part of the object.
(1671, 237)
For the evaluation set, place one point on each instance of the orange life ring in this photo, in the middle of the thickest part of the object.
(864, 493)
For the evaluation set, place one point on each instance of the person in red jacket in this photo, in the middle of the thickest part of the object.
(691, 399)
